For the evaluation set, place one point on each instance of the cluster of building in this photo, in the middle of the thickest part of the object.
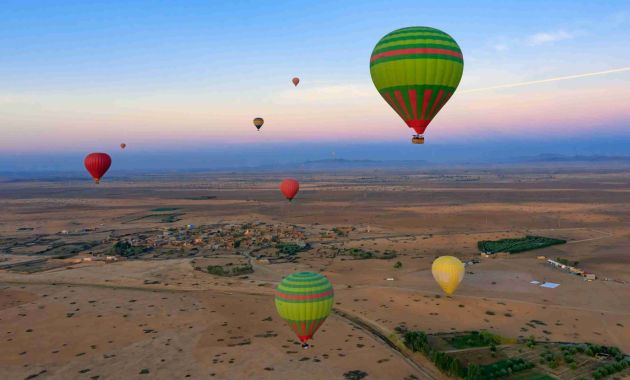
(571, 269)
(225, 237)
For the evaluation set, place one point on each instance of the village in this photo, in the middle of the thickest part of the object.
(264, 242)
(213, 239)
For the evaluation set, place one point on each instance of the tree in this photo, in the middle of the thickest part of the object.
(398, 265)
(354, 375)
(125, 249)
(473, 372)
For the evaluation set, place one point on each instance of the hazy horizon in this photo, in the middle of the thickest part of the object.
(236, 156)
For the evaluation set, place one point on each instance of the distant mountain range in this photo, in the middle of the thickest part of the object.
(578, 158)
(341, 164)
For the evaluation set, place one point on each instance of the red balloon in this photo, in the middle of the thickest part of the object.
(97, 164)
(289, 188)
(295, 81)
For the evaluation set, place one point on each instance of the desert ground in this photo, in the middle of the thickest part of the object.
(160, 317)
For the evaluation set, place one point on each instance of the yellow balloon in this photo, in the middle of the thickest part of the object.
(448, 272)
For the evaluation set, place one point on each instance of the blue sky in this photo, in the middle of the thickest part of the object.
(86, 75)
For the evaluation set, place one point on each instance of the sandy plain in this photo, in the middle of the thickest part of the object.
(164, 319)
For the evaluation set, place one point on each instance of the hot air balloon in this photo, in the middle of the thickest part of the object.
(416, 70)
(304, 300)
(123, 146)
(448, 272)
(295, 81)
(258, 122)
(97, 164)
(289, 188)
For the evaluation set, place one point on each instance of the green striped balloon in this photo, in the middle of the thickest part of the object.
(304, 300)
(416, 70)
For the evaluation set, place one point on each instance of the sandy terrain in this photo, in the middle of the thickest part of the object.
(112, 321)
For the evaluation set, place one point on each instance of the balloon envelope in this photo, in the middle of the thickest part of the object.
(97, 165)
(258, 122)
(289, 188)
(416, 70)
(448, 272)
(123, 146)
(304, 300)
(295, 81)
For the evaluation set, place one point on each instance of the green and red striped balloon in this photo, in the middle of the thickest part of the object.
(416, 70)
(304, 300)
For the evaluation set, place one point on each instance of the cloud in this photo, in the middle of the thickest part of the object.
(549, 37)
(500, 47)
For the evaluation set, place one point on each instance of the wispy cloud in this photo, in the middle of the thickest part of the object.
(567, 77)
(549, 37)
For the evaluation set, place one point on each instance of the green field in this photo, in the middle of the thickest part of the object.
(474, 339)
(527, 243)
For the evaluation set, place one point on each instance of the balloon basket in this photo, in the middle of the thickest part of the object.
(417, 139)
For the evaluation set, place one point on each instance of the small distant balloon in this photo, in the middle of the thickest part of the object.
(123, 146)
(448, 272)
(97, 165)
(258, 122)
(289, 188)
(295, 81)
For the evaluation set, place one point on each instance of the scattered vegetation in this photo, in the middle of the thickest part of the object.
(339, 232)
(125, 249)
(360, 254)
(170, 218)
(398, 265)
(163, 209)
(388, 254)
(354, 375)
(527, 243)
(229, 271)
(290, 248)
(609, 369)
(567, 262)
